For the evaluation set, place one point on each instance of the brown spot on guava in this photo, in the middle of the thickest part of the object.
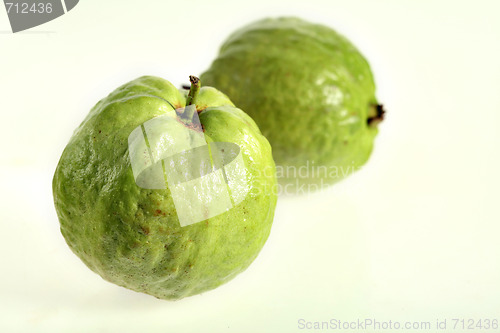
(145, 230)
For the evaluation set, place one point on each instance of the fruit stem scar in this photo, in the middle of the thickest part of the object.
(376, 116)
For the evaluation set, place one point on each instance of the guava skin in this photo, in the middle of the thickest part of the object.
(131, 236)
(309, 90)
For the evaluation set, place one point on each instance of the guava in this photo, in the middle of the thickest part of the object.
(310, 91)
(127, 228)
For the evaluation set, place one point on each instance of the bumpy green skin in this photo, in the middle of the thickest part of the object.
(131, 236)
(308, 89)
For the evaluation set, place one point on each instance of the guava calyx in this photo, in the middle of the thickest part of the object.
(377, 115)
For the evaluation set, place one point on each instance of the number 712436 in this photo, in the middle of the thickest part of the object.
(25, 8)
(479, 324)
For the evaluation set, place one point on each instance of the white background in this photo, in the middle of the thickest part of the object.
(413, 236)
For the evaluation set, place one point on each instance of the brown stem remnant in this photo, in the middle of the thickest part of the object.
(377, 115)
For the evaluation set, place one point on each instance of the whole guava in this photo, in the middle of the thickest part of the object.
(309, 90)
(130, 234)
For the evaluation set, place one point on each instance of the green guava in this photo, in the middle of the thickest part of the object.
(309, 90)
(131, 235)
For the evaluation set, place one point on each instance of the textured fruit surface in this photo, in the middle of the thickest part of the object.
(130, 235)
(309, 90)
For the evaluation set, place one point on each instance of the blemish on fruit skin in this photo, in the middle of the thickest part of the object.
(159, 212)
(145, 230)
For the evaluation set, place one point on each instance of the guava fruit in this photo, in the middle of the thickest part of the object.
(310, 91)
(126, 226)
